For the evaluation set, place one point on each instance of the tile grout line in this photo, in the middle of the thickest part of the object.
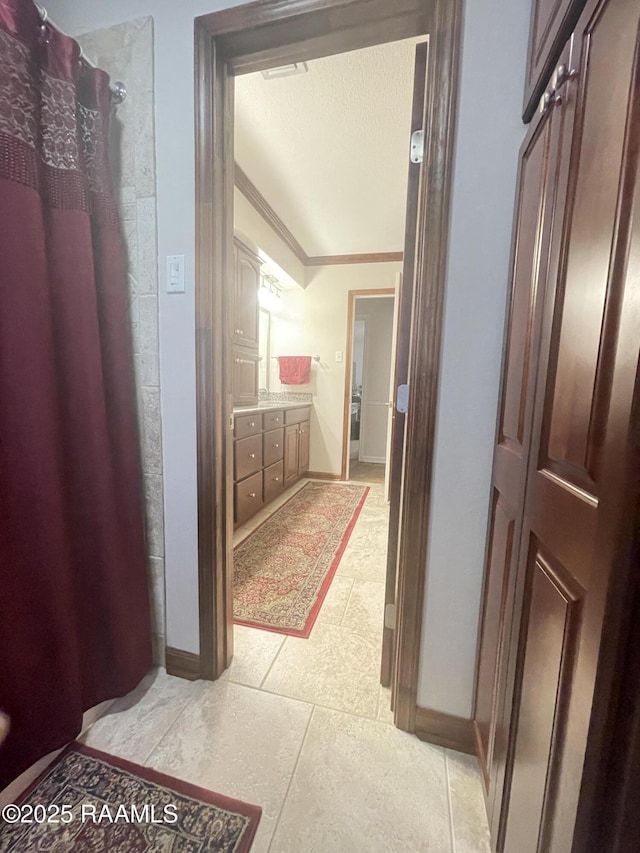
(353, 583)
(271, 665)
(449, 801)
(168, 729)
(293, 773)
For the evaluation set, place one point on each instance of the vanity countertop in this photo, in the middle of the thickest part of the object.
(271, 405)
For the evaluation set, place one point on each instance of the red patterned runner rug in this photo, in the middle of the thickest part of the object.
(283, 569)
(89, 801)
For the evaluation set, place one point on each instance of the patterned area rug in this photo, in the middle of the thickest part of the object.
(89, 802)
(283, 570)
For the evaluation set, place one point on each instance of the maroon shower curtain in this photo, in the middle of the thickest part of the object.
(74, 603)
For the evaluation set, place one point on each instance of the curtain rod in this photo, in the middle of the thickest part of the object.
(117, 88)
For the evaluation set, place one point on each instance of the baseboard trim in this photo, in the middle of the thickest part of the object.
(321, 475)
(182, 664)
(446, 730)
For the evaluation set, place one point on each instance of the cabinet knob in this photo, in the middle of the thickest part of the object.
(238, 360)
(277, 420)
(240, 332)
(276, 446)
(252, 424)
(276, 479)
(252, 456)
(252, 494)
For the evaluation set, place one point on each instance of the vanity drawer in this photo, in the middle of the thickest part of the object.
(248, 456)
(273, 481)
(244, 425)
(248, 498)
(297, 416)
(272, 420)
(273, 447)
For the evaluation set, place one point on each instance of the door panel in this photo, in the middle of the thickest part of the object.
(575, 490)
(552, 22)
(291, 453)
(246, 313)
(531, 239)
(303, 450)
(554, 604)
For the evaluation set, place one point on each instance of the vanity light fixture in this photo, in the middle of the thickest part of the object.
(269, 294)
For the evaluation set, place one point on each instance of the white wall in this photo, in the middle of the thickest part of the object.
(489, 134)
(173, 27)
(314, 321)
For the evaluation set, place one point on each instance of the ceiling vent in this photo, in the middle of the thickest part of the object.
(285, 70)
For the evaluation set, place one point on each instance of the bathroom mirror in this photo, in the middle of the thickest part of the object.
(264, 349)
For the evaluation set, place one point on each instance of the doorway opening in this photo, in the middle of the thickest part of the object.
(309, 559)
(230, 44)
(369, 391)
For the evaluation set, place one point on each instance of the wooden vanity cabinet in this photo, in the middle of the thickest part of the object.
(246, 310)
(291, 454)
(245, 319)
(245, 377)
(271, 453)
(296, 444)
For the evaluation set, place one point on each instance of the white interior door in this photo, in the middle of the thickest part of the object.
(376, 379)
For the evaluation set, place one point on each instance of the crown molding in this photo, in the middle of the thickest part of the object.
(253, 195)
(370, 258)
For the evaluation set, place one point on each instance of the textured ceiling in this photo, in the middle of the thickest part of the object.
(329, 149)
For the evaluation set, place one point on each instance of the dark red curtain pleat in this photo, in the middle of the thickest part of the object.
(74, 602)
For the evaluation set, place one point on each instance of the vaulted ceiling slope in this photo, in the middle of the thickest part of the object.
(329, 149)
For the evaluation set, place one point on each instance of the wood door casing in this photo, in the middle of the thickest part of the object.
(575, 490)
(401, 366)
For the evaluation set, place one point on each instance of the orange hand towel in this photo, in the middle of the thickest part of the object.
(295, 369)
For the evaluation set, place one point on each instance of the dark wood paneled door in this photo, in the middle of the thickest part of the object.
(401, 367)
(580, 444)
(536, 195)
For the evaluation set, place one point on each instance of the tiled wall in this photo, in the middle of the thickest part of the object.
(126, 53)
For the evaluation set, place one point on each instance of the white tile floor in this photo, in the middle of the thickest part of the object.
(303, 729)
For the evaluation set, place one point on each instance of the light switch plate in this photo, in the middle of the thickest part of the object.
(338, 356)
(175, 273)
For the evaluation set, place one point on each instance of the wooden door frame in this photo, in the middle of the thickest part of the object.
(250, 38)
(346, 415)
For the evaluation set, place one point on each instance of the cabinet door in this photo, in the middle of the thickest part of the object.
(536, 191)
(246, 313)
(303, 451)
(578, 507)
(291, 453)
(245, 378)
(552, 22)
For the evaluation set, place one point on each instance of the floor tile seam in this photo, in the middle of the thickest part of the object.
(291, 778)
(275, 658)
(447, 777)
(168, 729)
